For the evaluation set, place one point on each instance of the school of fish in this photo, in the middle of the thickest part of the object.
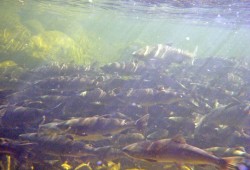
(166, 108)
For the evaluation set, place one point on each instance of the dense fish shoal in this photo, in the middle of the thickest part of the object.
(128, 114)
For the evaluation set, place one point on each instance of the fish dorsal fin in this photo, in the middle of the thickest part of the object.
(178, 139)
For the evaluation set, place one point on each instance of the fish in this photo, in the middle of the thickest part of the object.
(19, 116)
(104, 153)
(58, 145)
(225, 151)
(15, 148)
(11, 133)
(65, 82)
(49, 128)
(178, 124)
(131, 67)
(22, 116)
(96, 95)
(93, 95)
(233, 115)
(147, 97)
(164, 52)
(151, 96)
(125, 139)
(174, 150)
(16, 152)
(98, 127)
(159, 134)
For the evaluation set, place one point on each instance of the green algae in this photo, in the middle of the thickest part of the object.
(30, 40)
(30, 44)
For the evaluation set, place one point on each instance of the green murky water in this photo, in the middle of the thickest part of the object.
(86, 31)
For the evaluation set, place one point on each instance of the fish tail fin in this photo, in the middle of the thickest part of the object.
(142, 122)
(229, 163)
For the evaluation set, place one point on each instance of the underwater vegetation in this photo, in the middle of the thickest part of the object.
(29, 43)
(18, 44)
(14, 37)
(55, 45)
(34, 26)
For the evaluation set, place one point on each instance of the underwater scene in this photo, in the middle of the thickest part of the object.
(124, 85)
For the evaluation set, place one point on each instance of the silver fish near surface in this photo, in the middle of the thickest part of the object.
(165, 52)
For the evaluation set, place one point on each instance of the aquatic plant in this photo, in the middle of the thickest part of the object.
(7, 63)
(14, 37)
(34, 26)
(66, 166)
(83, 166)
(48, 44)
(110, 165)
(30, 43)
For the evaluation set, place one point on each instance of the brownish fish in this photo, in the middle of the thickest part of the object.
(58, 145)
(97, 127)
(233, 115)
(174, 150)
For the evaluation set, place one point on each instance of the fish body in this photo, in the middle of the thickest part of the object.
(49, 128)
(65, 82)
(164, 52)
(58, 145)
(129, 138)
(159, 134)
(232, 115)
(150, 97)
(227, 152)
(22, 116)
(105, 153)
(132, 67)
(174, 150)
(97, 127)
(14, 148)
(94, 95)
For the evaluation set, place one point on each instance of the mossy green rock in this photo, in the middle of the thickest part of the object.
(55, 46)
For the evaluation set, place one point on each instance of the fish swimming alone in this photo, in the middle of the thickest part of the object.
(165, 52)
(175, 150)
